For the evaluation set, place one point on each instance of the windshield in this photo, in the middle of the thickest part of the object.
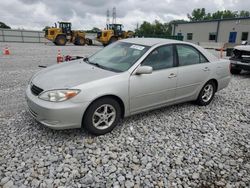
(119, 56)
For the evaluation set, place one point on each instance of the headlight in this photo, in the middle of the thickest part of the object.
(58, 95)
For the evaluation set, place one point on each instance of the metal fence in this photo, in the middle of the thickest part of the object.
(28, 36)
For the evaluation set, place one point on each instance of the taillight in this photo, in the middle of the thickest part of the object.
(52, 32)
(105, 34)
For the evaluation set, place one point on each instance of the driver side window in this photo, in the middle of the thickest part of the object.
(160, 58)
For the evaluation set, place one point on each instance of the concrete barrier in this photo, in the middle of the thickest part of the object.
(29, 36)
(15, 35)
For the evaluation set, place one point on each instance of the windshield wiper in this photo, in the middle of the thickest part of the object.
(87, 61)
(99, 66)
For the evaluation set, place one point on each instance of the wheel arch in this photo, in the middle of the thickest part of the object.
(215, 82)
(115, 97)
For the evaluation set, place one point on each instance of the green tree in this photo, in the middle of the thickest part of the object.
(156, 28)
(95, 30)
(244, 13)
(197, 14)
(200, 14)
(224, 14)
(4, 26)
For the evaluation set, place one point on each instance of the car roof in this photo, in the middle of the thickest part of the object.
(159, 41)
(150, 41)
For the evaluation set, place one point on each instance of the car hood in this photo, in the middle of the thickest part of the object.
(243, 47)
(68, 75)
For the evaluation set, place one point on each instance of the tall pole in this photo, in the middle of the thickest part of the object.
(114, 15)
(108, 21)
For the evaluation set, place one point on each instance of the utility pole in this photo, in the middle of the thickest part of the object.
(114, 16)
(107, 21)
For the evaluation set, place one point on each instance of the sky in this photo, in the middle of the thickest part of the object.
(86, 14)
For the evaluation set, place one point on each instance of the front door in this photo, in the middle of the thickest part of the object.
(151, 90)
(232, 37)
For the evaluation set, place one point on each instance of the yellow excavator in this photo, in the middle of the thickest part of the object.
(112, 33)
(63, 34)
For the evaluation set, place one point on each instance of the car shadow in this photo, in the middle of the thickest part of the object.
(244, 74)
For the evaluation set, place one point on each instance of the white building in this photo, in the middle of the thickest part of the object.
(234, 30)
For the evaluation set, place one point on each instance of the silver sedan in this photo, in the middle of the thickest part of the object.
(128, 77)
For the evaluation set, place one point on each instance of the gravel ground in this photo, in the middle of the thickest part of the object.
(179, 146)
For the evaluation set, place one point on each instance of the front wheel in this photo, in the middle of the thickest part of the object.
(206, 94)
(79, 41)
(60, 40)
(102, 116)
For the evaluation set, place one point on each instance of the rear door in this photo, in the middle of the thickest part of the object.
(152, 90)
(193, 70)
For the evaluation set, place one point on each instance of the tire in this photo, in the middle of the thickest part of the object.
(235, 71)
(205, 98)
(95, 121)
(60, 40)
(80, 41)
(89, 42)
(113, 39)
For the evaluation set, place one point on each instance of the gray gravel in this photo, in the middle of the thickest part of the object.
(179, 146)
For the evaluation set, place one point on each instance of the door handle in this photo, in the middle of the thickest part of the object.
(172, 75)
(206, 69)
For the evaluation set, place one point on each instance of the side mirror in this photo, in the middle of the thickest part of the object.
(144, 70)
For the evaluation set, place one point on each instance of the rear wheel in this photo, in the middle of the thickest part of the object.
(206, 94)
(102, 116)
(60, 40)
(79, 41)
(89, 42)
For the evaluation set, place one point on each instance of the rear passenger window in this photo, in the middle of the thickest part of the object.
(160, 58)
(188, 55)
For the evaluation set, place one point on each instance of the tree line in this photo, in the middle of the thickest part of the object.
(4, 26)
(160, 29)
(200, 14)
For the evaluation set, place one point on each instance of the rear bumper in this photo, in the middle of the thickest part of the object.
(222, 83)
(61, 115)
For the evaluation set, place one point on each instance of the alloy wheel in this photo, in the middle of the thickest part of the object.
(104, 116)
(207, 92)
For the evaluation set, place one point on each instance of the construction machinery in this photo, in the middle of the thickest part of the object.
(63, 34)
(112, 33)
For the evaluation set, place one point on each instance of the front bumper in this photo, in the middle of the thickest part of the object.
(240, 65)
(56, 115)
